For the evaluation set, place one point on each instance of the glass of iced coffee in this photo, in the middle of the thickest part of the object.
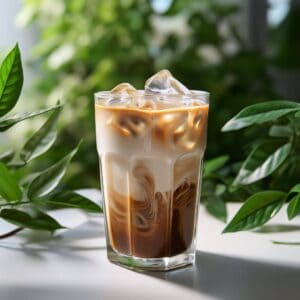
(151, 144)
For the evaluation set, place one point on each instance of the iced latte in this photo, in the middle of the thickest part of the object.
(151, 144)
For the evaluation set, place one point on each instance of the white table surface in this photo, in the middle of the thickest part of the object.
(73, 264)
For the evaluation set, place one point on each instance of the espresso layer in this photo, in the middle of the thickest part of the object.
(147, 222)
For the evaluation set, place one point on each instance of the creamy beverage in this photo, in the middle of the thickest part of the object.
(151, 144)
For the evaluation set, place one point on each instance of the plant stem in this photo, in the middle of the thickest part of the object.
(10, 233)
(11, 204)
(286, 243)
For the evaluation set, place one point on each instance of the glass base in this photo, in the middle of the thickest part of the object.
(151, 264)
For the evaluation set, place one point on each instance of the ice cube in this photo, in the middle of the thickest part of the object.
(123, 89)
(121, 93)
(163, 82)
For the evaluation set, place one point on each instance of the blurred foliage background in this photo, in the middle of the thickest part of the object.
(89, 45)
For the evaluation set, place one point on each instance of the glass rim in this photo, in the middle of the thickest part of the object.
(194, 95)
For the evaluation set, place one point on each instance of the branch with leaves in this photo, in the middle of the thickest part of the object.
(270, 174)
(26, 194)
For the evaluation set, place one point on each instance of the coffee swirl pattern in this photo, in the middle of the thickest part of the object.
(150, 171)
(160, 224)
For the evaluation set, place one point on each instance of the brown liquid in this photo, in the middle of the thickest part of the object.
(150, 162)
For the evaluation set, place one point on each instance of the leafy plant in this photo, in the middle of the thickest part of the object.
(272, 166)
(25, 193)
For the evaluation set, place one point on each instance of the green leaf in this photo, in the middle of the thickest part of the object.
(42, 140)
(220, 189)
(295, 189)
(9, 187)
(217, 207)
(256, 211)
(262, 162)
(294, 207)
(69, 199)
(286, 243)
(7, 156)
(260, 113)
(280, 131)
(38, 221)
(6, 123)
(11, 80)
(213, 165)
(297, 114)
(47, 180)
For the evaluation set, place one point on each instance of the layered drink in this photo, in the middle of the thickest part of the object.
(151, 144)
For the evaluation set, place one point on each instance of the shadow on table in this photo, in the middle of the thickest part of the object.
(44, 293)
(67, 244)
(231, 278)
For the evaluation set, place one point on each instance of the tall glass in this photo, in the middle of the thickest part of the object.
(150, 167)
